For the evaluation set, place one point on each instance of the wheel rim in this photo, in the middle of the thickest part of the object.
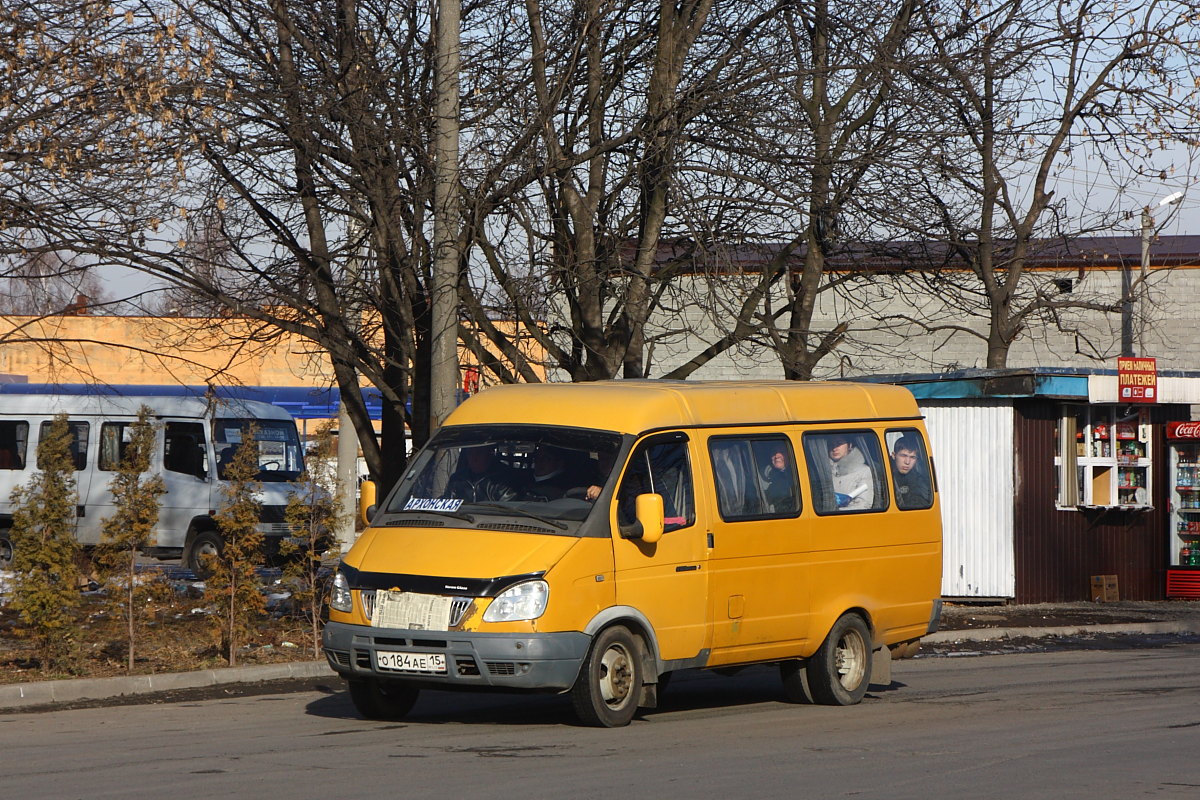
(850, 659)
(6, 554)
(616, 677)
(207, 549)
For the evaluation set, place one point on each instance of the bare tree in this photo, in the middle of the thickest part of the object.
(73, 74)
(1028, 88)
(586, 187)
(792, 174)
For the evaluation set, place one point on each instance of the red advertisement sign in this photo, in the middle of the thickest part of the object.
(1137, 380)
(1183, 430)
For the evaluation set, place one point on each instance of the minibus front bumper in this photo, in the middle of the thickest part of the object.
(549, 661)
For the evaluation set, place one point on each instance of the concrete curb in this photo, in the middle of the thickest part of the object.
(990, 634)
(22, 695)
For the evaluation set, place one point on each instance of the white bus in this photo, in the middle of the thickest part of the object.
(194, 440)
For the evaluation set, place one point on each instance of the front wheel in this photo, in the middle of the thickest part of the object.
(376, 699)
(840, 671)
(607, 690)
(204, 545)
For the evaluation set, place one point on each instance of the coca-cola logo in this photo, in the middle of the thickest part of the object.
(1183, 430)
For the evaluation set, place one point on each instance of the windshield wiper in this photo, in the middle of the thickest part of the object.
(522, 512)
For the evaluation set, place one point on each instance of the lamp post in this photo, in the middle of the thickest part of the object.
(1127, 336)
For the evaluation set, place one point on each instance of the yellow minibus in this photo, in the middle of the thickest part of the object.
(593, 538)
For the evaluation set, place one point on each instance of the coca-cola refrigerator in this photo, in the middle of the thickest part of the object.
(1183, 481)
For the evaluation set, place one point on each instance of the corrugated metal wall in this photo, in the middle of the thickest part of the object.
(1057, 552)
(972, 443)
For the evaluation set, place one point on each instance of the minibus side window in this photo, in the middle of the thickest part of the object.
(184, 450)
(659, 467)
(79, 442)
(912, 471)
(845, 471)
(14, 441)
(755, 477)
(114, 439)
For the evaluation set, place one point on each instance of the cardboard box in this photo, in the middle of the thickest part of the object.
(1104, 589)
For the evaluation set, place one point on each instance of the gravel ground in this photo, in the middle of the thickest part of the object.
(961, 616)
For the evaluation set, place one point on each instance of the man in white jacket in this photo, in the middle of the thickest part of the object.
(852, 479)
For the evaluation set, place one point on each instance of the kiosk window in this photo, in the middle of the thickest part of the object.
(1105, 457)
(755, 477)
(79, 442)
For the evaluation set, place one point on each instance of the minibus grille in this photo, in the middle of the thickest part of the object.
(458, 607)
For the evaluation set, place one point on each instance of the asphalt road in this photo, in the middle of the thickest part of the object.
(1086, 724)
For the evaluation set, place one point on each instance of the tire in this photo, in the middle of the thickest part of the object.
(840, 671)
(6, 549)
(795, 681)
(384, 700)
(606, 693)
(204, 543)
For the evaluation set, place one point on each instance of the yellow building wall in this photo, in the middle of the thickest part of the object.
(188, 351)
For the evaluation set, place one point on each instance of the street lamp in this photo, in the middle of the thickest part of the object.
(1127, 338)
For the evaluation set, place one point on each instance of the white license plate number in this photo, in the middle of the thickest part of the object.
(391, 661)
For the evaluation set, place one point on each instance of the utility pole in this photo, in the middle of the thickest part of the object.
(443, 376)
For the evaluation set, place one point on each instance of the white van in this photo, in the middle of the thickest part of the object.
(194, 439)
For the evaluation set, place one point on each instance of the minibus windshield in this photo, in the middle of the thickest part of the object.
(280, 458)
(548, 476)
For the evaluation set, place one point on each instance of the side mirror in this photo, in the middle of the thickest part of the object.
(366, 501)
(648, 509)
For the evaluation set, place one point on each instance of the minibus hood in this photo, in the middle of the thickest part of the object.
(456, 552)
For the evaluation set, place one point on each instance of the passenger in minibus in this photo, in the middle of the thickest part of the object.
(476, 477)
(910, 474)
(853, 484)
(779, 485)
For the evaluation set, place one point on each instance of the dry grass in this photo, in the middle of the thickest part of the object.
(176, 633)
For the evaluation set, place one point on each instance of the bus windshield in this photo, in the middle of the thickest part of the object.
(548, 475)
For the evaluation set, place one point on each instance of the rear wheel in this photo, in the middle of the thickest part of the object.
(6, 549)
(840, 671)
(607, 690)
(204, 545)
(376, 699)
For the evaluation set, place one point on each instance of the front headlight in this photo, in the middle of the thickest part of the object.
(523, 601)
(339, 594)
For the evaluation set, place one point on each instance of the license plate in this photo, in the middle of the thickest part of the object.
(391, 661)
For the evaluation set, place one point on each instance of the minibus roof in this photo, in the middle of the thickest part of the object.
(637, 406)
